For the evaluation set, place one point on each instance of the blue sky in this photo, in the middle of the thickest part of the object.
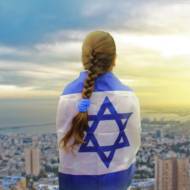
(40, 44)
(25, 22)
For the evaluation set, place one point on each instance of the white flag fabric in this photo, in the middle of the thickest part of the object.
(107, 160)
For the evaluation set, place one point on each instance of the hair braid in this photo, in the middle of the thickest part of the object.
(80, 121)
(90, 80)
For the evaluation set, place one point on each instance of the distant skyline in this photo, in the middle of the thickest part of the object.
(40, 46)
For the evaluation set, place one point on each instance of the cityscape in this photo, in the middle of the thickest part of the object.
(30, 161)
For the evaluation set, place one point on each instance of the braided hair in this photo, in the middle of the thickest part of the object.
(96, 62)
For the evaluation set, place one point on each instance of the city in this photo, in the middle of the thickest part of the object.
(31, 161)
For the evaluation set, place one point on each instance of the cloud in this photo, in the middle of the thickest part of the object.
(43, 66)
(53, 50)
(150, 17)
(23, 74)
(174, 45)
(52, 64)
(27, 23)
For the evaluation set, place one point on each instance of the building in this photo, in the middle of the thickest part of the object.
(183, 174)
(143, 184)
(14, 182)
(48, 187)
(49, 183)
(32, 161)
(172, 173)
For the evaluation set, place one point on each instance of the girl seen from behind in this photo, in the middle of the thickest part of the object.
(98, 123)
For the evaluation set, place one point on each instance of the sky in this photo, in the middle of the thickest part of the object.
(40, 46)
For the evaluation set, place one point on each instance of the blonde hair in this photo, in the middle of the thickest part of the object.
(98, 57)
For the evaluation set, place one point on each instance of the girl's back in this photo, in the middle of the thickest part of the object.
(105, 157)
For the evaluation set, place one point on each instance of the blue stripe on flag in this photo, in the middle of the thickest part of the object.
(112, 181)
(106, 82)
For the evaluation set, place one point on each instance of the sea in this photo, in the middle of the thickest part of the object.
(34, 116)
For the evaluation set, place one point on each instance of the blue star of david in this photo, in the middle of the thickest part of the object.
(121, 140)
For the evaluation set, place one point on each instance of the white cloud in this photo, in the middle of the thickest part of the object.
(97, 8)
(59, 49)
(167, 18)
(144, 16)
(6, 50)
(166, 45)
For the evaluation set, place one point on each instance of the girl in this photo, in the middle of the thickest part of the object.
(98, 123)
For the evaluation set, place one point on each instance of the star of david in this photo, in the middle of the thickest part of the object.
(106, 153)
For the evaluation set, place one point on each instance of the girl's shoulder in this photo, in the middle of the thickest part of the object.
(106, 82)
(75, 86)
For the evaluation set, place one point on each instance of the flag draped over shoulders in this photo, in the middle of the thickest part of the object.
(107, 159)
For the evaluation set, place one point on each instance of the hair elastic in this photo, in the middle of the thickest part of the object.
(83, 105)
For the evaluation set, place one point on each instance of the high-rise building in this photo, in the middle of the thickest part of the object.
(32, 161)
(172, 173)
(183, 174)
(28, 164)
(159, 134)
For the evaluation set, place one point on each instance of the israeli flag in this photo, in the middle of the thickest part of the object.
(107, 160)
